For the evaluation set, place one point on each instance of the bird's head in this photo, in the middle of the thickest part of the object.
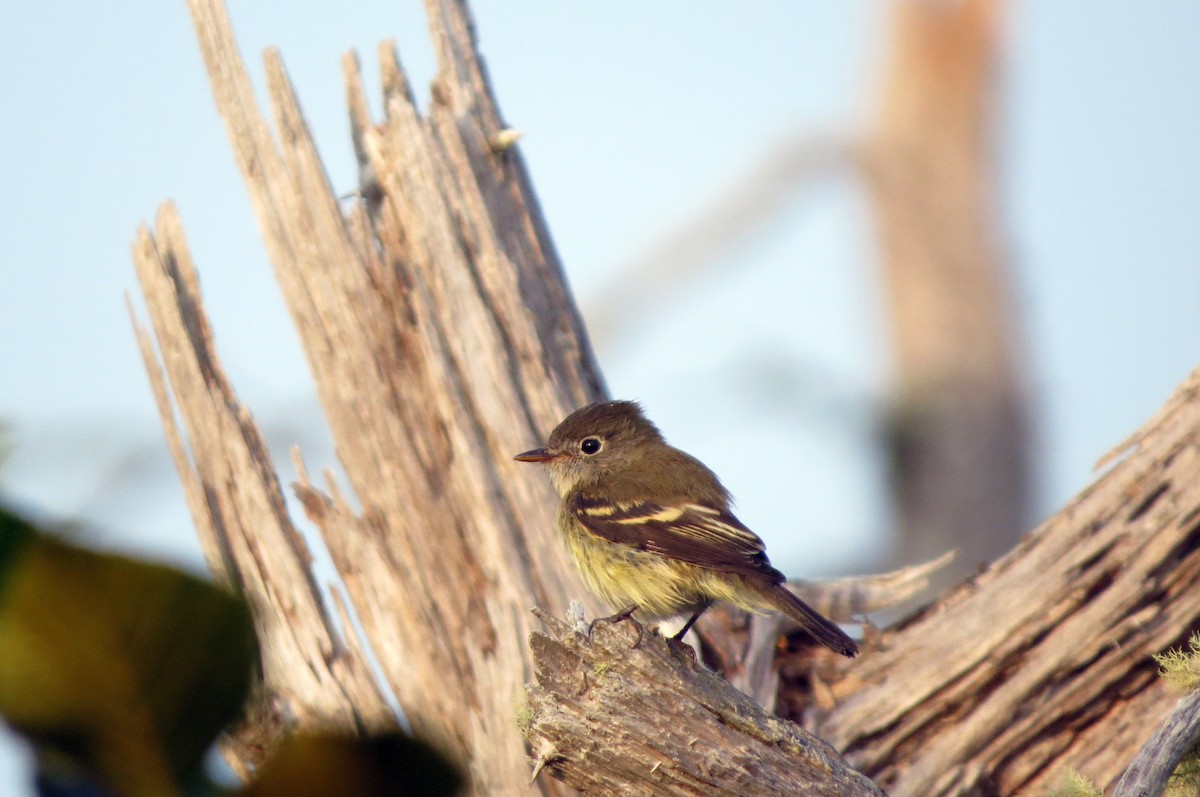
(594, 441)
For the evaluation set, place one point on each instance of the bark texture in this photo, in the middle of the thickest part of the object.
(611, 718)
(442, 340)
(1152, 767)
(1043, 661)
(249, 541)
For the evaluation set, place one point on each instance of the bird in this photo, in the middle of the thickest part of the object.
(652, 530)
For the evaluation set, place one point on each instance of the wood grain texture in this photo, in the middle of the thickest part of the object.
(1043, 661)
(1152, 767)
(613, 719)
(442, 340)
(314, 676)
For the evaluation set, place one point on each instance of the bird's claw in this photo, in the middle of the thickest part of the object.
(624, 614)
(677, 645)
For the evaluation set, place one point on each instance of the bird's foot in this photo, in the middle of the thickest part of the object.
(624, 614)
(681, 648)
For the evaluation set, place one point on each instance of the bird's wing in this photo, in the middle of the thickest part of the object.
(692, 532)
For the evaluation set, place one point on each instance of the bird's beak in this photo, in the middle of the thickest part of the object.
(536, 455)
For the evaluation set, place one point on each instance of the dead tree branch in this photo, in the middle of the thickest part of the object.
(441, 339)
(613, 719)
(1043, 661)
(1150, 770)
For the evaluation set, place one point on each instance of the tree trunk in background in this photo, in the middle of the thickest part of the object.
(442, 340)
(959, 443)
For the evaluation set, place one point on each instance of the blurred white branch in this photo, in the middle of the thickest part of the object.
(727, 223)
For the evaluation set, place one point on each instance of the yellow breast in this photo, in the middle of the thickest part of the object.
(622, 575)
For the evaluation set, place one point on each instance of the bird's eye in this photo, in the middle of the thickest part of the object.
(591, 445)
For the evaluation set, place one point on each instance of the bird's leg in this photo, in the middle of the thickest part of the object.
(692, 621)
(677, 642)
(624, 614)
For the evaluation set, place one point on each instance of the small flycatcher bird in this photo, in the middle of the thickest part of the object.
(650, 527)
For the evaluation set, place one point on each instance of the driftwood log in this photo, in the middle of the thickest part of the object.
(442, 339)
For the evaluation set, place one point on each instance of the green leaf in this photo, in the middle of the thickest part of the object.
(391, 765)
(15, 534)
(119, 670)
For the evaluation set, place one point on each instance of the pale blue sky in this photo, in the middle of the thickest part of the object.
(636, 115)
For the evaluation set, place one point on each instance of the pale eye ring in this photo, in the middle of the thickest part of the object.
(591, 445)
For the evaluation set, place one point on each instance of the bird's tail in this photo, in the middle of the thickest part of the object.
(811, 621)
